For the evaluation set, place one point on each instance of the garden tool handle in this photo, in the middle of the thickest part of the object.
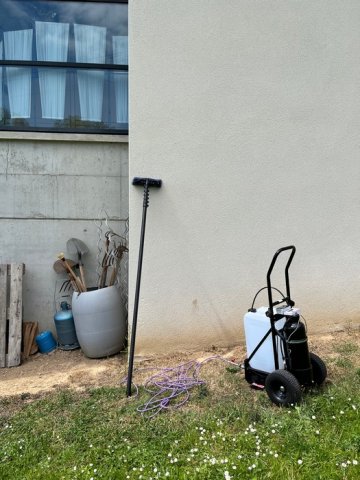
(102, 279)
(82, 276)
(103, 275)
(114, 272)
(71, 273)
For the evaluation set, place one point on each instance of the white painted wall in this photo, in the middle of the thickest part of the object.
(250, 113)
(50, 191)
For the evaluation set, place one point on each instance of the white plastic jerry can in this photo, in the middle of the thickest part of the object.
(256, 325)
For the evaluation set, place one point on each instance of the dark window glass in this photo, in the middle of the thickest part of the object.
(63, 66)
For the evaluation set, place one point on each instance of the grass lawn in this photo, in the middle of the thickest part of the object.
(225, 431)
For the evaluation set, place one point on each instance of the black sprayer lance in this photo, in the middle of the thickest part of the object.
(146, 183)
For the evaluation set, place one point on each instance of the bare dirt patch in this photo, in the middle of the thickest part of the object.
(71, 369)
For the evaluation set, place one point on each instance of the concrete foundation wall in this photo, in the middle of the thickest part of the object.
(250, 113)
(52, 190)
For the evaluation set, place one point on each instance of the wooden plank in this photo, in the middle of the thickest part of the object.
(34, 331)
(30, 330)
(3, 312)
(15, 315)
(26, 339)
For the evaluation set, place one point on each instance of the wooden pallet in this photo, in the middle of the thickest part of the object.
(11, 277)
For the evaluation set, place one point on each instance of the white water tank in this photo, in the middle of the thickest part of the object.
(100, 321)
(256, 325)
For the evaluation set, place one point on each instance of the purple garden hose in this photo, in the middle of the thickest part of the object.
(170, 387)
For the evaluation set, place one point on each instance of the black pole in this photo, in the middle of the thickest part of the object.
(146, 182)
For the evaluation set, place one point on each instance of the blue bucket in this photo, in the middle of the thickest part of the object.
(45, 342)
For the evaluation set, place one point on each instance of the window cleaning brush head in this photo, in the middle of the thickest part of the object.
(150, 182)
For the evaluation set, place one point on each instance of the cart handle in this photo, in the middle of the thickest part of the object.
(288, 297)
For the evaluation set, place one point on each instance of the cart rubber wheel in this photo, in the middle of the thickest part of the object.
(318, 368)
(283, 388)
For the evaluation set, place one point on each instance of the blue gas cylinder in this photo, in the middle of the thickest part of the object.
(65, 328)
(46, 342)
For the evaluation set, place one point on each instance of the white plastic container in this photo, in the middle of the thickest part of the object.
(100, 321)
(256, 325)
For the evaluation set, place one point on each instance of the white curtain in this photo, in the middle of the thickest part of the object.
(121, 96)
(90, 45)
(120, 50)
(18, 46)
(52, 41)
(120, 56)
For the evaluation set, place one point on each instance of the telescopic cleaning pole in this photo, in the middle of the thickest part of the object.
(146, 183)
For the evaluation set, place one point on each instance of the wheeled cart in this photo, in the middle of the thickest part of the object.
(278, 357)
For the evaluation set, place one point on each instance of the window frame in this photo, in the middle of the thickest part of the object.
(67, 65)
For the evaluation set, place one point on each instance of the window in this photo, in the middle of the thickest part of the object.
(64, 66)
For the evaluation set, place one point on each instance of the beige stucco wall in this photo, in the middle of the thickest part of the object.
(54, 187)
(250, 113)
